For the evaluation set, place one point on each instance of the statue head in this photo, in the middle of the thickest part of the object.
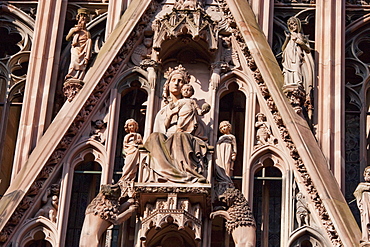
(131, 126)
(261, 117)
(82, 16)
(176, 78)
(294, 24)
(367, 174)
(187, 91)
(225, 127)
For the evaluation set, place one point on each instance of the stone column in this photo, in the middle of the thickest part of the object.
(41, 78)
(264, 11)
(115, 11)
(330, 18)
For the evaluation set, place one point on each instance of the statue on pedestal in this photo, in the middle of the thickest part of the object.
(80, 55)
(362, 194)
(80, 47)
(294, 49)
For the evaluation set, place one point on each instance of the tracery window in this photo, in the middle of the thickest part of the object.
(86, 185)
(232, 109)
(267, 204)
(16, 32)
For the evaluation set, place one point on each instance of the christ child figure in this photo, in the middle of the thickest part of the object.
(131, 144)
(188, 110)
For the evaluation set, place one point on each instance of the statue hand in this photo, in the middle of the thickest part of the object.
(205, 108)
(287, 33)
(130, 192)
(233, 156)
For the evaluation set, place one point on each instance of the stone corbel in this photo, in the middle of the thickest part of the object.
(296, 95)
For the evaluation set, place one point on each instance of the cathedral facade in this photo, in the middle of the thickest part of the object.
(184, 123)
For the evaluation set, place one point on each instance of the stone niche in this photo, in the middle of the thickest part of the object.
(172, 216)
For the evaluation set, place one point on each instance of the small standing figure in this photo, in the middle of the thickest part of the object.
(225, 153)
(294, 49)
(188, 110)
(50, 201)
(131, 144)
(98, 128)
(362, 194)
(229, 56)
(302, 213)
(263, 134)
(80, 47)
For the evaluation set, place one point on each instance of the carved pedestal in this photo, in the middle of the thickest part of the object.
(173, 214)
(296, 95)
(71, 87)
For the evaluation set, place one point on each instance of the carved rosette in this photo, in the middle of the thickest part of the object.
(71, 87)
(179, 211)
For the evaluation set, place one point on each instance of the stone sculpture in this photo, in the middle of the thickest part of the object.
(113, 205)
(50, 200)
(80, 47)
(294, 49)
(362, 194)
(239, 219)
(225, 154)
(228, 55)
(175, 156)
(263, 135)
(98, 128)
(302, 212)
(188, 110)
(143, 50)
(131, 143)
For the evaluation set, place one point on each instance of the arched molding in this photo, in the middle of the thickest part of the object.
(19, 19)
(75, 157)
(16, 90)
(97, 31)
(80, 150)
(352, 28)
(15, 63)
(354, 98)
(135, 74)
(244, 82)
(28, 231)
(311, 232)
(268, 152)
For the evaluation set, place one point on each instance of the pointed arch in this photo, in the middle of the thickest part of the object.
(271, 187)
(31, 230)
(90, 155)
(307, 234)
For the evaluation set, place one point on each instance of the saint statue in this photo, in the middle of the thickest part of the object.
(80, 47)
(225, 153)
(295, 50)
(362, 194)
(131, 143)
(176, 149)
